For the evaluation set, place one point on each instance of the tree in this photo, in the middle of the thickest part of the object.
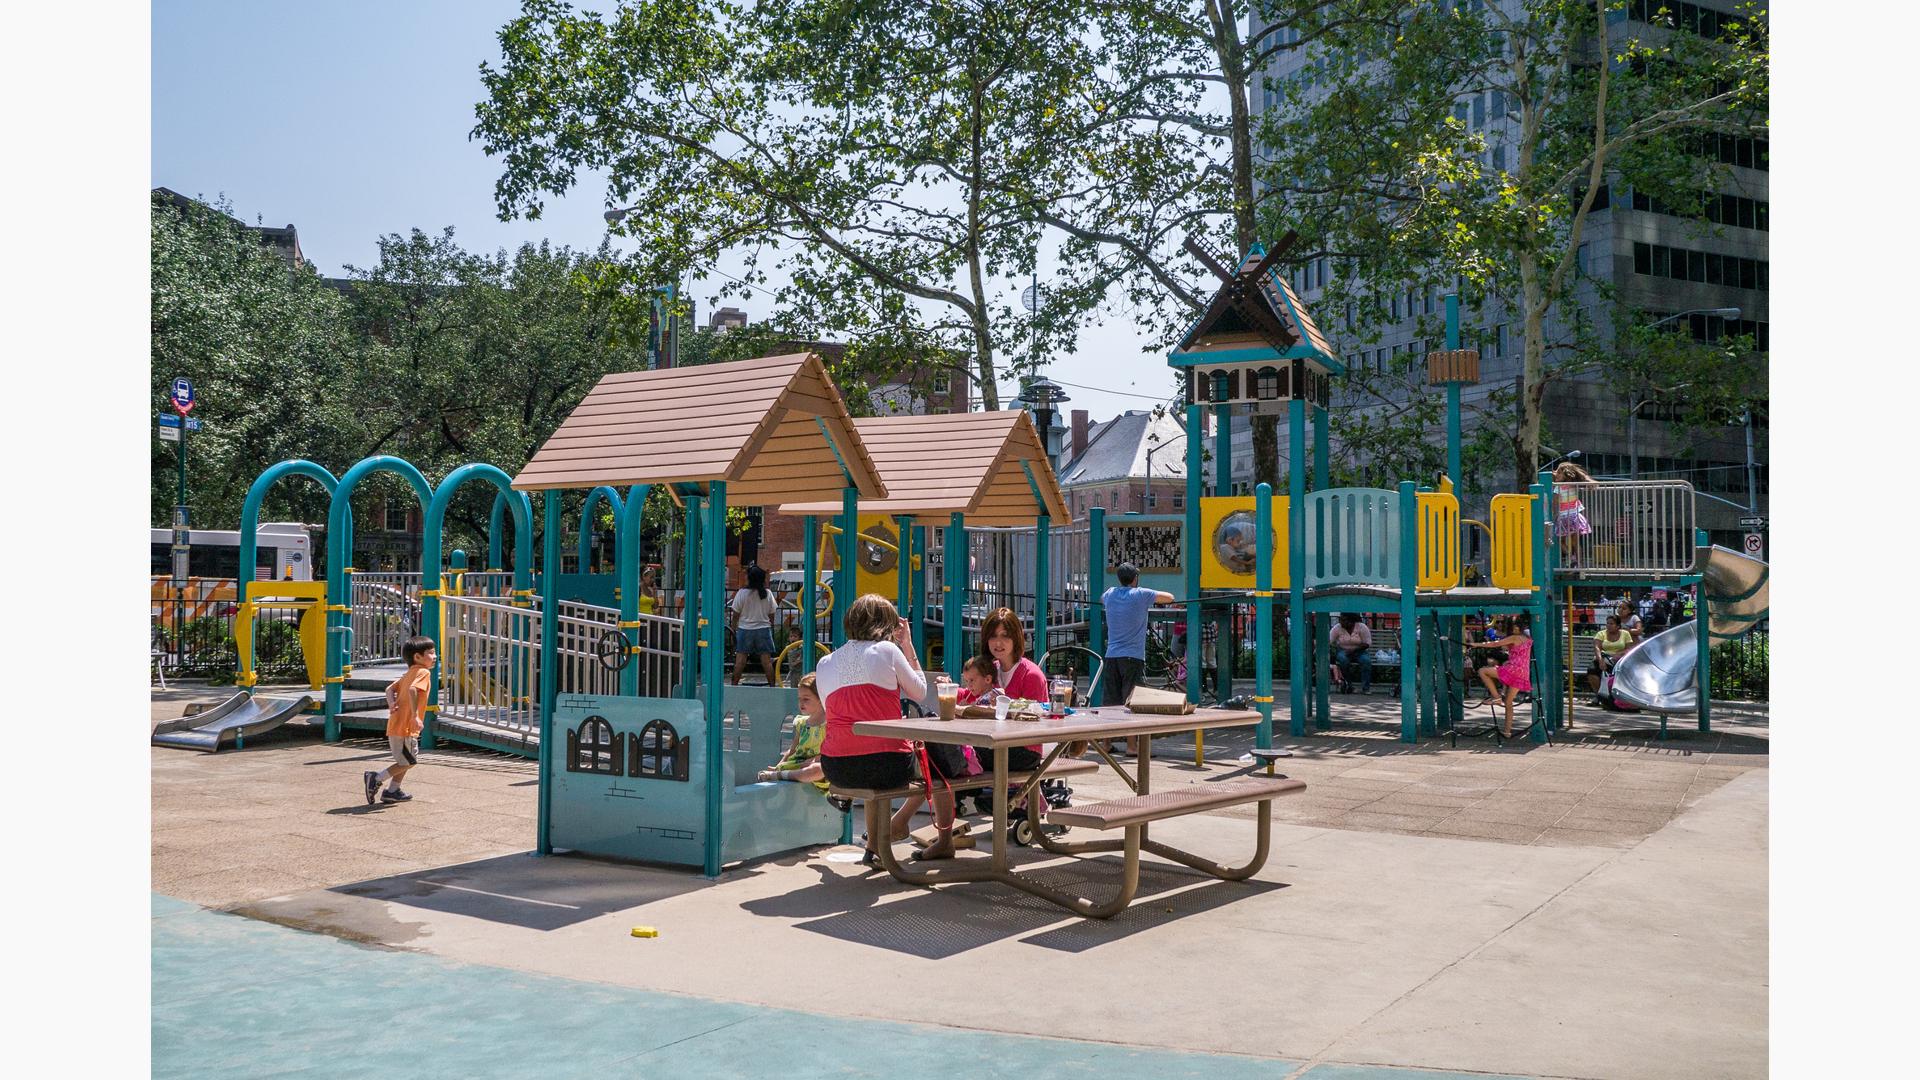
(891, 163)
(1373, 162)
(269, 350)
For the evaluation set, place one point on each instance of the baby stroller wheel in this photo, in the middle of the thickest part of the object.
(1022, 831)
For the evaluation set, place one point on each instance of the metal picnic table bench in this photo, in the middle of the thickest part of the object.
(1132, 814)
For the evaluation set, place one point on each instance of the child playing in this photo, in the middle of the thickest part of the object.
(406, 709)
(1570, 517)
(802, 762)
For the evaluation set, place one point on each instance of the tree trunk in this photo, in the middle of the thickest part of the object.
(982, 332)
(1533, 385)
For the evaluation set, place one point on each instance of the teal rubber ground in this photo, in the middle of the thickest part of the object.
(235, 997)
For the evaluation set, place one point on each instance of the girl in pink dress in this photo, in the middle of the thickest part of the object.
(1513, 676)
(1570, 512)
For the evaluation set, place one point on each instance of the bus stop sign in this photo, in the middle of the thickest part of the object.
(182, 396)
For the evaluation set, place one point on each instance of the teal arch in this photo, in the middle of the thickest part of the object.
(339, 551)
(496, 524)
(430, 557)
(594, 498)
(626, 560)
(257, 494)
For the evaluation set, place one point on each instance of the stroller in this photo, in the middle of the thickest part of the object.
(1057, 793)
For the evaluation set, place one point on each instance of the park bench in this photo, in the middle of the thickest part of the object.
(1192, 799)
(878, 800)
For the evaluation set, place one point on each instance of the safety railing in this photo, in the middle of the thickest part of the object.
(496, 584)
(1352, 537)
(490, 665)
(584, 628)
(1632, 526)
(1511, 541)
(1001, 574)
(1439, 539)
(386, 612)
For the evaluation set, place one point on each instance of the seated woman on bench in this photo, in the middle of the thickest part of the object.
(865, 680)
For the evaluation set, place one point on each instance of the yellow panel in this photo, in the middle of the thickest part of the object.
(1439, 558)
(1215, 572)
(1512, 541)
(880, 560)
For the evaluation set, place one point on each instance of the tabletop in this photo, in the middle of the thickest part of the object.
(1110, 722)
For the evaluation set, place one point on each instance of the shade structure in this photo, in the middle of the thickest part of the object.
(989, 466)
(774, 429)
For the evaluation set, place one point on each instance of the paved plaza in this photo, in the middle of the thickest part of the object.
(1595, 908)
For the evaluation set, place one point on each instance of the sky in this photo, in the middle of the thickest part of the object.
(349, 120)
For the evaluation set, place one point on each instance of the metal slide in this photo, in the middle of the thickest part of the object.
(231, 721)
(1659, 674)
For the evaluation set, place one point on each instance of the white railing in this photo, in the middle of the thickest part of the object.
(582, 629)
(490, 665)
(386, 612)
(1635, 527)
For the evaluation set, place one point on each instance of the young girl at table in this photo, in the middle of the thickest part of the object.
(802, 761)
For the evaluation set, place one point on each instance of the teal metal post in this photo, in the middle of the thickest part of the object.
(1703, 647)
(1096, 585)
(918, 583)
(1409, 574)
(549, 665)
(1297, 645)
(496, 523)
(713, 587)
(1223, 486)
(339, 584)
(903, 570)
(1542, 605)
(1263, 612)
(951, 648)
(250, 510)
(1321, 626)
(809, 592)
(691, 658)
(1195, 444)
(433, 528)
(846, 573)
(1453, 396)
(1042, 558)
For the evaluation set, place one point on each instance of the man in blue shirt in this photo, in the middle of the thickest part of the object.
(1126, 606)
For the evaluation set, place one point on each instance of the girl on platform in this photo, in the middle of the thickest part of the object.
(1570, 516)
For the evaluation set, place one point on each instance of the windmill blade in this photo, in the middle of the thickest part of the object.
(1194, 248)
(1266, 261)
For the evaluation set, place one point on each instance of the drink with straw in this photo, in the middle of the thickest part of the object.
(949, 694)
(1062, 695)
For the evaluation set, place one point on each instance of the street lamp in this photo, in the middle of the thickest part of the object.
(1041, 394)
(1153, 497)
(1633, 413)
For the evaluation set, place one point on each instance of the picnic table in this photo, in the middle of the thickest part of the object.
(1131, 814)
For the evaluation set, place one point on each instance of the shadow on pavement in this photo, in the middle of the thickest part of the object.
(528, 892)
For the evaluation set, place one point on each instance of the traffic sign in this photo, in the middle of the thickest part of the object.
(180, 567)
(182, 396)
(174, 420)
(169, 434)
(1755, 543)
(1754, 522)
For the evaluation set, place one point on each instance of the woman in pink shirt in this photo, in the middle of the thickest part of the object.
(865, 680)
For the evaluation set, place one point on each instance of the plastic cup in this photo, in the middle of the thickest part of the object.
(949, 695)
(1062, 693)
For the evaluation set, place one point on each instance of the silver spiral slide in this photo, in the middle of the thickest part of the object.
(1660, 674)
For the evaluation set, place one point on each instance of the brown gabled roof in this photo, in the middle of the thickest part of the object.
(961, 463)
(774, 429)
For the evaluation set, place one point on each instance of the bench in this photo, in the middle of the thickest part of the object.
(1015, 780)
(1140, 809)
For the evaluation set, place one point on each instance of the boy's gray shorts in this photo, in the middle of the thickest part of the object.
(405, 751)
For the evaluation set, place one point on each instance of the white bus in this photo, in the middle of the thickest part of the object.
(283, 551)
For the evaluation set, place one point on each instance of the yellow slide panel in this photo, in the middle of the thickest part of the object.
(1439, 558)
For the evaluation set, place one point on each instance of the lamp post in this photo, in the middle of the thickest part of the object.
(1633, 413)
(1041, 394)
(1152, 499)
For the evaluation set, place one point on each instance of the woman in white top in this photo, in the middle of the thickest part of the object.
(864, 680)
(752, 613)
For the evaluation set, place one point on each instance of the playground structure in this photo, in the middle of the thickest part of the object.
(646, 754)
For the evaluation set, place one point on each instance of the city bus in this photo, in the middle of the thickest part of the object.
(283, 551)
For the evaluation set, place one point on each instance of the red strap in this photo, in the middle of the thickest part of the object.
(926, 775)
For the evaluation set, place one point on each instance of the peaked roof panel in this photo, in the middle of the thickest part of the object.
(960, 463)
(772, 428)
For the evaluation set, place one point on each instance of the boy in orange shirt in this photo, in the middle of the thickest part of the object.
(406, 709)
